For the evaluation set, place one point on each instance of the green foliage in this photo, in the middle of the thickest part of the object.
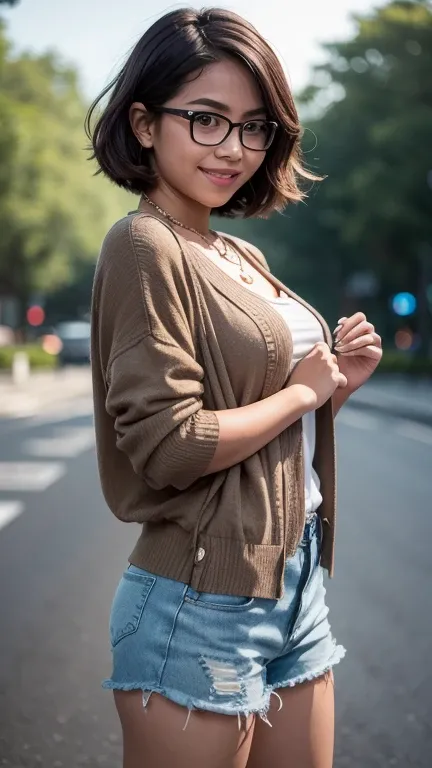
(377, 135)
(368, 118)
(53, 212)
(368, 113)
(38, 358)
(402, 362)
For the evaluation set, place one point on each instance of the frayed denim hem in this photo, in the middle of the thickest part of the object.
(337, 656)
(191, 705)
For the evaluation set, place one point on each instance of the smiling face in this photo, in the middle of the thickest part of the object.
(206, 176)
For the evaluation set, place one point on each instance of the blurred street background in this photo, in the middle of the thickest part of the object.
(362, 76)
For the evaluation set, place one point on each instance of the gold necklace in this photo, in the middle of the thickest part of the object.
(233, 258)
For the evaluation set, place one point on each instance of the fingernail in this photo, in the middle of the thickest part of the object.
(341, 320)
(337, 329)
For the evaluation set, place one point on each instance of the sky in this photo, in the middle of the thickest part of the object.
(96, 35)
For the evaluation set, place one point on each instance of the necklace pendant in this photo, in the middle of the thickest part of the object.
(246, 278)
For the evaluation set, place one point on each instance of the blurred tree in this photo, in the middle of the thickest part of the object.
(368, 112)
(53, 212)
(9, 2)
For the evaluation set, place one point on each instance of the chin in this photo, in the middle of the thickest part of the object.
(215, 199)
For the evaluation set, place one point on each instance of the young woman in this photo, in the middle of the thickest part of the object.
(215, 388)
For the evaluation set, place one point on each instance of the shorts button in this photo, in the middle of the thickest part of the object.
(200, 554)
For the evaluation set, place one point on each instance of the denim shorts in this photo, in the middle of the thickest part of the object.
(222, 653)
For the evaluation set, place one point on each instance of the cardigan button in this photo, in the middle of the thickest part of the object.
(200, 554)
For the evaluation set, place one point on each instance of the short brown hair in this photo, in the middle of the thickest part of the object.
(178, 44)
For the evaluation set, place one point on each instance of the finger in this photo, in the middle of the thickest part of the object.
(377, 340)
(359, 330)
(350, 322)
(342, 381)
(371, 351)
(339, 325)
(323, 348)
(322, 345)
(361, 341)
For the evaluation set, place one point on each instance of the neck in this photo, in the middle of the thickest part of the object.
(187, 211)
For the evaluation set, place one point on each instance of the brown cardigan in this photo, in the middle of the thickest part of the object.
(174, 340)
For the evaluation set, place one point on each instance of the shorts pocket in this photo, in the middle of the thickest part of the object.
(128, 605)
(218, 602)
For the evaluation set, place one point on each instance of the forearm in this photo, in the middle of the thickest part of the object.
(244, 431)
(339, 397)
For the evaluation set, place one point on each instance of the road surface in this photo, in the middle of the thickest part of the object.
(62, 552)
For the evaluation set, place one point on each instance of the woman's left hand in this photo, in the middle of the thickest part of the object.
(358, 349)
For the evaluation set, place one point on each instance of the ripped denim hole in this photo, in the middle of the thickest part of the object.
(223, 676)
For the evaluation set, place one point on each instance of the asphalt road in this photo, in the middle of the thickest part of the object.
(62, 554)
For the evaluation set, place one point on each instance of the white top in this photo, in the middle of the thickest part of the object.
(306, 331)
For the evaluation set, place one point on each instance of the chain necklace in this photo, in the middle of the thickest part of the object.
(224, 253)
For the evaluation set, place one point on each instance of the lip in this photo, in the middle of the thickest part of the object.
(220, 181)
(228, 171)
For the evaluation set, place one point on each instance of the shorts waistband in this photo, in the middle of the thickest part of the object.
(310, 516)
(312, 523)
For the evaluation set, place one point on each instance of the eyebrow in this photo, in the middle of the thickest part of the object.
(225, 108)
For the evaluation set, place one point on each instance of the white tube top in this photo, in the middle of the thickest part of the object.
(306, 331)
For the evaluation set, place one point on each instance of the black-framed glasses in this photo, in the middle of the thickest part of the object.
(211, 129)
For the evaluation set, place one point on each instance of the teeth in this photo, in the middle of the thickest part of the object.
(221, 175)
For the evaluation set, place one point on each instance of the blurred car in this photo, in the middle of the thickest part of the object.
(75, 342)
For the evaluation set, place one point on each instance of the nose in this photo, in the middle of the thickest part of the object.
(231, 148)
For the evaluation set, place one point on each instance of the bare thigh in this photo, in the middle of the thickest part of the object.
(302, 733)
(154, 737)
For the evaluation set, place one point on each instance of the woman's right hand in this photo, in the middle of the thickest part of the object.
(318, 373)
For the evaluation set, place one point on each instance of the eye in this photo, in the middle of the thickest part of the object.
(255, 126)
(205, 120)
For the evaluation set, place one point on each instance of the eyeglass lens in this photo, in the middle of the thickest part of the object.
(211, 129)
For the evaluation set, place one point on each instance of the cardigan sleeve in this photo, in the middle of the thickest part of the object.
(154, 382)
(154, 396)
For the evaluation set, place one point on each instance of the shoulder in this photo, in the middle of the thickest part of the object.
(248, 249)
(140, 247)
(140, 287)
(141, 264)
(143, 237)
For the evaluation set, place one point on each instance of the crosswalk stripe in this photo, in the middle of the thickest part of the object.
(65, 443)
(415, 431)
(9, 510)
(63, 412)
(29, 476)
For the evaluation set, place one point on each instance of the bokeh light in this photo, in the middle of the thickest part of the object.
(404, 339)
(404, 304)
(52, 344)
(35, 316)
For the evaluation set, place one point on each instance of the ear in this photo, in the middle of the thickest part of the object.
(141, 124)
